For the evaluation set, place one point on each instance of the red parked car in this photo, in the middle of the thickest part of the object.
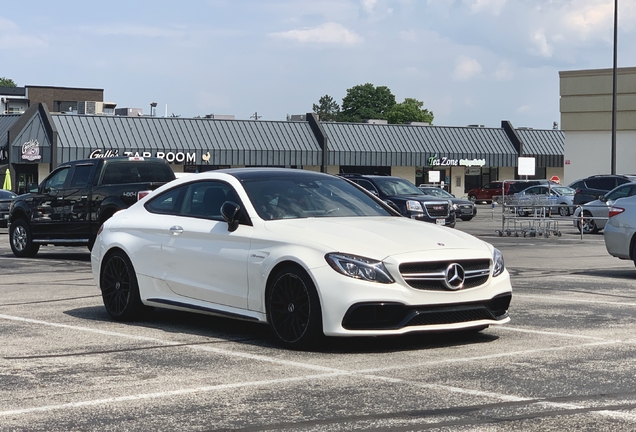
(487, 192)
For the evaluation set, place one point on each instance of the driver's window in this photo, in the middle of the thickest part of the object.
(57, 180)
(620, 193)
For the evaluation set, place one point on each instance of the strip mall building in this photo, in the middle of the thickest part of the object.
(37, 141)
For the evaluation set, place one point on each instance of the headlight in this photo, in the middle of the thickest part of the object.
(414, 206)
(455, 206)
(498, 263)
(359, 267)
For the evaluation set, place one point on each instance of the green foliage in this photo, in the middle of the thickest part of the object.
(366, 101)
(409, 111)
(327, 108)
(7, 82)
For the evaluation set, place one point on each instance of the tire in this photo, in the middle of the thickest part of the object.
(293, 308)
(466, 218)
(564, 210)
(472, 198)
(120, 290)
(589, 226)
(21, 239)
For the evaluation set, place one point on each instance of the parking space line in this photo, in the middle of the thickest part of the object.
(551, 299)
(328, 372)
(550, 333)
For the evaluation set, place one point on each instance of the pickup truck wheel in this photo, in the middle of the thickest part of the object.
(21, 239)
(120, 290)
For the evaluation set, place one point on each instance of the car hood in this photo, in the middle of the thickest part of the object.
(373, 237)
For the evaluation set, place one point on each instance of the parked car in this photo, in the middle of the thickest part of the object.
(407, 198)
(593, 187)
(73, 201)
(559, 196)
(464, 209)
(596, 213)
(493, 191)
(308, 253)
(6, 198)
(620, 230)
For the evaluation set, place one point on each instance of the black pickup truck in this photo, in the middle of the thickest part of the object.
(73, 201)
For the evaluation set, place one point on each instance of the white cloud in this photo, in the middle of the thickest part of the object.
(491, 6)
(328, 33)
(524, 109)
(466, 68)
(590, 19)
(368, 5)
(540, 45)
(12, 38)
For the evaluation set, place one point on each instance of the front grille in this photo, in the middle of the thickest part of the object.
(390, 316)
(437, 209)
(431, 275)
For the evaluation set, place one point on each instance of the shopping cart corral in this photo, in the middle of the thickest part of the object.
(528, 216)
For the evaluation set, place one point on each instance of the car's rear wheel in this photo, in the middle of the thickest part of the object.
(588, 226)
(21, 239)
(120, 290)
(473, 198)
(564, 210)
(293, 308)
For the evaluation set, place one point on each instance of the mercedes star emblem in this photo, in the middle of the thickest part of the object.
(454, 276)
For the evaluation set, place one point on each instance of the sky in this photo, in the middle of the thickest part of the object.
(468, 61)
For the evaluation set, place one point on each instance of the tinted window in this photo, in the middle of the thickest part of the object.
(120, 172)
(393, 186)
(168, 202)
(81, 175)
(204, 199)
(58, 179)
(366, 184)
(603, 183)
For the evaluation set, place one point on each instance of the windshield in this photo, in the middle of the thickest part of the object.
(393, 186)
(292, 198)
(437, 192)
(563, 190)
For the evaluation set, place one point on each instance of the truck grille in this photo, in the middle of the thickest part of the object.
(437, 209)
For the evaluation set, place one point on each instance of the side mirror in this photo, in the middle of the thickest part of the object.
(32, 187)
(230, 212)
(602, 198)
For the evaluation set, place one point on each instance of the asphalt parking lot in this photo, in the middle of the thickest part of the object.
(564, 362)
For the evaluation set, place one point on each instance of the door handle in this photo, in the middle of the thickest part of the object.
(176, 230)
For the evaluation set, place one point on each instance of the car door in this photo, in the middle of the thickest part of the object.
(202, 259)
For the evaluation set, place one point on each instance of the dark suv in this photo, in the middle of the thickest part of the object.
(591, 188)
(407, 198)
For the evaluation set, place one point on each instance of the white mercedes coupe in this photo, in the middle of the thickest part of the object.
(308, 253)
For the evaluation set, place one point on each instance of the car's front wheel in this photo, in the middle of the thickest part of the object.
(293, 308)
(21, 239)
(120, 290)
(473, 198)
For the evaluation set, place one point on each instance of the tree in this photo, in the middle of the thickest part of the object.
(366, 101)
(7, 82)
(327, 109)
(409, 111)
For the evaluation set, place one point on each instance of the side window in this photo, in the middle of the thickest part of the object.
(204, 199)
(602, 183)
(81, 175)
(620, 192)
(168, 202)
(367, 185)
(57, 180)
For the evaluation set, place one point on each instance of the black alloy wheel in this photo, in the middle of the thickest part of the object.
(21, 239)
(120, 290)
(293, 308)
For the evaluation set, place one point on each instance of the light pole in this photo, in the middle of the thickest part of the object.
(613, 155)
(152, 107)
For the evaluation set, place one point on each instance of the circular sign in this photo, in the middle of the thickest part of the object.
(555, 179)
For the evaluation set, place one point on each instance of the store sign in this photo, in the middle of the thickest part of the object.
(172, 157)
(31, 150)
(445, 161)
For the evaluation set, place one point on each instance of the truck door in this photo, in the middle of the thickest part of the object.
(76, 209)
(48, 203)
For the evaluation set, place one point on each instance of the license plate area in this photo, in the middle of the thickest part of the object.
(440, 221)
